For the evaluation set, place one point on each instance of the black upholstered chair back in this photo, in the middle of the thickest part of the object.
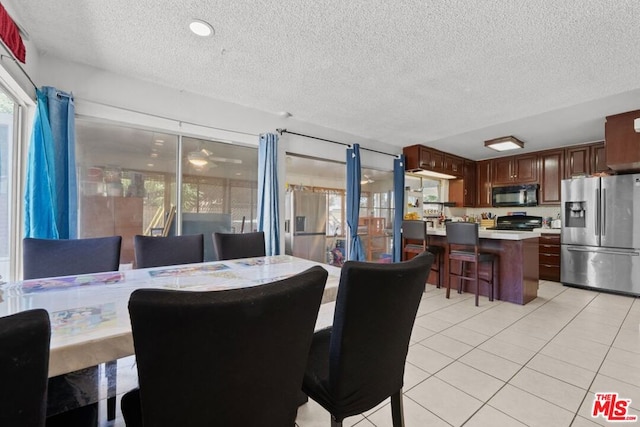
(462, 233)
(50, 257)
(234, 246)
(414, 230)
(375, 311)
(225, 358)
(170, 250)
(24, 365)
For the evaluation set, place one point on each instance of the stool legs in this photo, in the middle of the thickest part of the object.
(475, 268)
(476, 278)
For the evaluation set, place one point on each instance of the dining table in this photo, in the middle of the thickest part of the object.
(89, 313)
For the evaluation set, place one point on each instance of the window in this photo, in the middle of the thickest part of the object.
(219, 189)
(127, 184)
(7, 112)
(376, 214)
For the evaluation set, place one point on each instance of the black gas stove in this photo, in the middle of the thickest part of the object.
(517, 223)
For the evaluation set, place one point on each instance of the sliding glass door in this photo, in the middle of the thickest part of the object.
(128, 184)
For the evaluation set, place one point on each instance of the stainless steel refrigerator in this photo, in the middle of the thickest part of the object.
(305, 225)
(601, 233)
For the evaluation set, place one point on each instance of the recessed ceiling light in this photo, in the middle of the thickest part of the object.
(201, 28)
(154, 155)
(150, 165)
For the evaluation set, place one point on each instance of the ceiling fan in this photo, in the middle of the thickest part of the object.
(367, 180)
(204, 157)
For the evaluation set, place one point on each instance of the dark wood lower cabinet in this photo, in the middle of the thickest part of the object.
(518, 266)
(549, 255)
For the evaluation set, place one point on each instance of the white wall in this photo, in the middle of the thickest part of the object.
(97, 91)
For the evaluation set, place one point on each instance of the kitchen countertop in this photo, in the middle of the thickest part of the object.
(548, 230)
(496, 234)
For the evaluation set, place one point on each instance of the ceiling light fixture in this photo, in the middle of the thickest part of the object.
(504, 143)
(197, 158)
(201, 28)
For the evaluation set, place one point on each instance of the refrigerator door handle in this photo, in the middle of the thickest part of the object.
(598, 207)
(603, 251)
(603, 215)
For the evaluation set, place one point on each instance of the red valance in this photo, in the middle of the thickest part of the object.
(11, 35)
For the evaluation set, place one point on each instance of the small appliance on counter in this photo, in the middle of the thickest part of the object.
(517, 223)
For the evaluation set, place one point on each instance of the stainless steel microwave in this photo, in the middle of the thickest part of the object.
(515, 195)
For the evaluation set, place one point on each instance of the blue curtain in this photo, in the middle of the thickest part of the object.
(356, 252)
(268, 210)
(51, 195)
(398, 205)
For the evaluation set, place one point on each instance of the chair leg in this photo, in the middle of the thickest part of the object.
(397, 412)
(462, 267)
(440, 270)
(475, 267)
(494, 277)
(335, 423)
(448, 278)
(111, 369)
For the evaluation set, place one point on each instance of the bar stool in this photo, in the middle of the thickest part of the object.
(463, 237)
(417, 231)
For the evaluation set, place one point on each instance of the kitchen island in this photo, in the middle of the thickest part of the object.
(518, 263)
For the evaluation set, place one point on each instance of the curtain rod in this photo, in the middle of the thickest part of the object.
(13, 58)
(281, 131)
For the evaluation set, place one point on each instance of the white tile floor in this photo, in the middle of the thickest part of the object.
(502, 364)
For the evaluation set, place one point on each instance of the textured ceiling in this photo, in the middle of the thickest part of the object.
(447, 73)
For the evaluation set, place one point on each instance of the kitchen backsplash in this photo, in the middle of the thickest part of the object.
(543, 211)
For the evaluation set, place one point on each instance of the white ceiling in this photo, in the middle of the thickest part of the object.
(446, 73)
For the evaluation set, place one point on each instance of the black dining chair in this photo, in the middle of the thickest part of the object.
(233, 246)
(24, 365)
(359, 361)
(222, 358)
(415, 240)
(60, 257)
(464, 248)
(171, 250)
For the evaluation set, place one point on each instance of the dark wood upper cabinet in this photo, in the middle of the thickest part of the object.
(483, 184)
(578, 161)
(599, 158)
(437, 161)
(521, 169)
(526, 168)
(502, 170)
(453, 165)
(419, 157)
(551, 175)
(585, 160)
(469, 183)
(622, 142)
(476, 179)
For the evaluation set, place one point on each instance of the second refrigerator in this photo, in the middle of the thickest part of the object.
(306, 225)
